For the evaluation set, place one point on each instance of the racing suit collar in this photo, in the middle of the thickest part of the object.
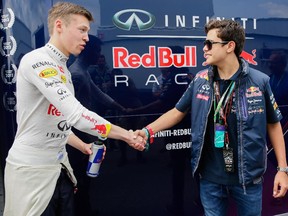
(56, 53)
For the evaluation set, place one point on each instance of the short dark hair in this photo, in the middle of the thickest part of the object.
(228, 30)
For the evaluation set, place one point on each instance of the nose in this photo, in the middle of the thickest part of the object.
(205, 48)
(86, 37)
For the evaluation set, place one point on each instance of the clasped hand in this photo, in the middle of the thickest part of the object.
(137, 139)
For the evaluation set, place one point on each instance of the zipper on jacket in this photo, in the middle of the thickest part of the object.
(241, 103)
(203, 138)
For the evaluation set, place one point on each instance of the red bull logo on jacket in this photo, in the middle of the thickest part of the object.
(203, 75)
(253, 91)
(102, 129)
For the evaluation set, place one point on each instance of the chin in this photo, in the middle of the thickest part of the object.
(77, 53)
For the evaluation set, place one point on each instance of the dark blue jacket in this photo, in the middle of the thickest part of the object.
(254, 105)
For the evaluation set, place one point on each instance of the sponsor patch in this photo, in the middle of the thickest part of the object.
(52, 110)
(49, 72)
(255, 111)
(102, 129)
(203, 75)
(253, 92)
(275, 105)
(61, 69)
(202, 97)
(64, 79)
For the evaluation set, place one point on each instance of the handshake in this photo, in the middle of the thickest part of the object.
(140, 139)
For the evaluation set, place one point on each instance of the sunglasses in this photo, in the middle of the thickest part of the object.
(209, 43)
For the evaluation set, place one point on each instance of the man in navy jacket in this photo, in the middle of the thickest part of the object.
(232, 108)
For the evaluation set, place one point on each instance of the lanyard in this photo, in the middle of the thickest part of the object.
(223, 109)
(220, 106)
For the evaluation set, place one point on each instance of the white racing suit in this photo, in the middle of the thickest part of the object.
(46, 111)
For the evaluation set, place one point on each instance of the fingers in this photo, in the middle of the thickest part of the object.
(275, 191)
(137, 140)
(88, 149)
(139, 147)
(139, 143)
(139, 136)
(280, 185)
(279, 191)
(104, 152)
(142, 134)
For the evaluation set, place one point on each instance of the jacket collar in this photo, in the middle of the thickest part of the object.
(244, 66)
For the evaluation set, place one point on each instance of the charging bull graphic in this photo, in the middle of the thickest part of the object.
(249, 57)
(102, 129)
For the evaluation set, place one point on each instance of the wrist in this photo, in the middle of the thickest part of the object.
(147, 134)
(282, 169)
(147, 145)
(150, 133)
(129, 137)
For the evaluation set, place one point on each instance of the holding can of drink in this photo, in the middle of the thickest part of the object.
(95, 159)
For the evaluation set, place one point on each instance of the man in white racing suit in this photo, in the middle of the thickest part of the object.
(46, 111)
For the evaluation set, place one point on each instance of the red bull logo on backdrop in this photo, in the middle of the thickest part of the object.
(160, 57)
(249, 57)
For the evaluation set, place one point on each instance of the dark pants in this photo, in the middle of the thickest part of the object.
(62, 201)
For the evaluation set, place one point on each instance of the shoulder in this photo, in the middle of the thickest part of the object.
(203, 74)
(37, 63)
(252, 72)
(34, 57)
(257, 78)
(257, 75)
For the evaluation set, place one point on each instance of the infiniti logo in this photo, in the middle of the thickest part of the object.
(64, 126)
(126, 25)
(206, 87)
(61, 91)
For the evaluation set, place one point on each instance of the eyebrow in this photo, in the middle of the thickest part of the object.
(84, 26)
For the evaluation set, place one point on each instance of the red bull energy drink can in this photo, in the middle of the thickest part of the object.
(95, 160)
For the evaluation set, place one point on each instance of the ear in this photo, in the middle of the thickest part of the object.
(231, 46)
(59, 25)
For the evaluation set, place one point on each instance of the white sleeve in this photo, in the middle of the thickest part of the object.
(61, 97)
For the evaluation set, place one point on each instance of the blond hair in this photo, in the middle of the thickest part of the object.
(63, 10)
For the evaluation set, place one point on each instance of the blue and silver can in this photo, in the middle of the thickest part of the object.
(95, 160)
